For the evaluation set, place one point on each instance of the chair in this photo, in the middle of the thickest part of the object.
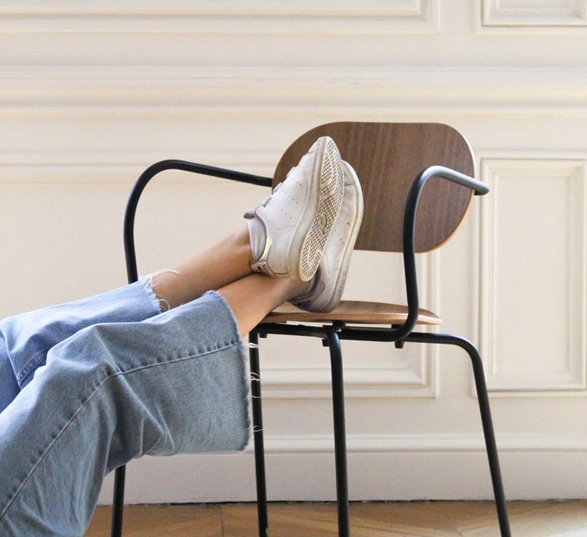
(417, 181)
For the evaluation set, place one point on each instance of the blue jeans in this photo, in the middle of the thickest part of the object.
(87, 386)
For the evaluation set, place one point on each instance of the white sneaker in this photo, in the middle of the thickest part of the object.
(326, 290)
(289, 230)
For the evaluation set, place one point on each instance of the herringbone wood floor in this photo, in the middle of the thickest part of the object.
(403, 519)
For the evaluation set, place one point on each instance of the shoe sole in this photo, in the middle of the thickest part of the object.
(330, 185)
(350, 243)
(328, 299)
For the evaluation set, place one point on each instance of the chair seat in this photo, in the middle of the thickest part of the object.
(353, 312)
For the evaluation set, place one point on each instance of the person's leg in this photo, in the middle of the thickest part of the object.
(221, 264)
(25, 339)
(174, 383)
(253, 297)
(274, 240)
(285, 236)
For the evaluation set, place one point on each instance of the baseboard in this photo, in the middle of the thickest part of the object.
(400, 468)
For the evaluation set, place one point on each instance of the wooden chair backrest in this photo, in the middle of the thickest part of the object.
(387, 158)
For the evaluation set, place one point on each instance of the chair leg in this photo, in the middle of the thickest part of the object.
(118, 502)
(487, 422)
(258, 435)
(342, 494)
(490, 444)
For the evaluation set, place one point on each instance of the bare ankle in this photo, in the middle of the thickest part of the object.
(241, 243)
(297, 288)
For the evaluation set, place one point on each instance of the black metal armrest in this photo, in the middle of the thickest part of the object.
(409, 230)
(480, 188)
(152, 171)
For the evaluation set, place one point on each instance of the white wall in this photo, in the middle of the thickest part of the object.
(91, 95)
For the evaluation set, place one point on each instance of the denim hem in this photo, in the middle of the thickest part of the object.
(148, 287)
(247, 370)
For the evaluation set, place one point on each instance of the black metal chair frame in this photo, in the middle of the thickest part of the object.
(331, 335)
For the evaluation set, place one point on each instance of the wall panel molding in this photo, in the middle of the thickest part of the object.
(411, 378)
(244, 17)
(119, 167)
(533, 325)
(535, 13)
(173, 92)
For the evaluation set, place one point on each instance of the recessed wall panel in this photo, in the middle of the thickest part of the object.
(533, 263)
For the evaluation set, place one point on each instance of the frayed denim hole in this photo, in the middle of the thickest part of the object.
(161, 302)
